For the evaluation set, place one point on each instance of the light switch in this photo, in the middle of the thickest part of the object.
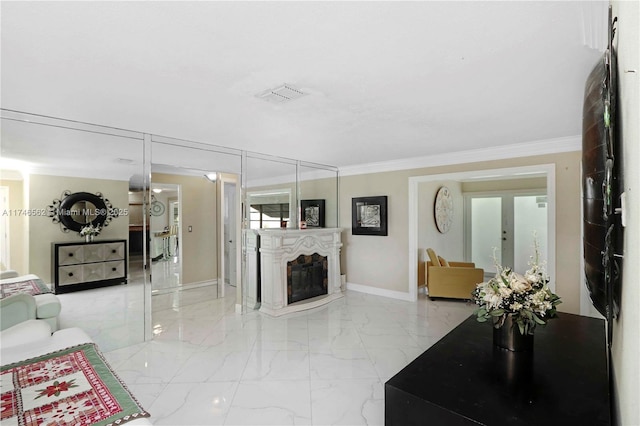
(190, 228)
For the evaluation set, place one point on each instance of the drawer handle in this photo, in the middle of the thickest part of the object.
(114, 269)
(113, 251)
(70, 274)
(70, 254)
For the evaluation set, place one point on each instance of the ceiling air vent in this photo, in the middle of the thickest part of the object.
(281, 94)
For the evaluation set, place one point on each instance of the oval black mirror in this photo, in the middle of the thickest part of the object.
(80, 209)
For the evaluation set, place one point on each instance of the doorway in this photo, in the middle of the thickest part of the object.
(166, 256)
(230, 242)
(547, 170)
(230, 229)
(506, 221)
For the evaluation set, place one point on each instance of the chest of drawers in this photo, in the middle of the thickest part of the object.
(81, 266)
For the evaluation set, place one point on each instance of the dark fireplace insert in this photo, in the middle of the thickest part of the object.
(306, 277)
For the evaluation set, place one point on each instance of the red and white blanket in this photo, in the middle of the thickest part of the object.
(31, 286)
(73, 386)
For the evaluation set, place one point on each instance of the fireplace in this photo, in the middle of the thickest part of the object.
(306, 277)
(298, 268)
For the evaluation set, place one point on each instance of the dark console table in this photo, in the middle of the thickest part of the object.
(81, 266)
(464, 380)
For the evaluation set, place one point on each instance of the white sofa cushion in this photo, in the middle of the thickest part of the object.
(30, 333)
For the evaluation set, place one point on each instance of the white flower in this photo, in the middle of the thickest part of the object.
(525, 295)
(493, 301)
(515, 306)
(519, 283)
(505, 291)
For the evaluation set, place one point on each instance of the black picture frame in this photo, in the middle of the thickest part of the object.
(312, 213)
(369, 216)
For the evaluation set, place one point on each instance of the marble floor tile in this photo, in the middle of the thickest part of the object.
(328, 339)
(212, 366)
(193, 403)
(208, 365)
(271, 403)
(277, 365)
(347, 402)
(342, 364)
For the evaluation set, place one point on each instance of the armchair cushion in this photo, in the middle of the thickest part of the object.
(443, 262)
(47, 304)
(17, 308)
(9, 273)
(432, 257)
(23, 333)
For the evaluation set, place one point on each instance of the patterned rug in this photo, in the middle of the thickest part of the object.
(73, 386)
(31, 287)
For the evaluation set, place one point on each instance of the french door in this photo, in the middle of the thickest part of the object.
(503, 225)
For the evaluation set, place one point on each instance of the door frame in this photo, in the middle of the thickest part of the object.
(505, 173)
(6, 237)
(235, 179)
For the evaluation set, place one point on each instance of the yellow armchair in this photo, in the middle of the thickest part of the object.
(451, 279)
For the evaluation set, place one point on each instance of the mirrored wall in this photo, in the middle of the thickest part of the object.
(188, 241)
(182, 209)
(43, 162)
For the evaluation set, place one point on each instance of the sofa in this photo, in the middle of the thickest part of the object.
(17, 306)
(30, 347)
(449, 279)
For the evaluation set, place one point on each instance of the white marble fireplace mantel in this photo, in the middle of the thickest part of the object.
(279, 246)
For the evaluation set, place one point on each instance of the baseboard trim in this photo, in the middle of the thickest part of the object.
(391, 294)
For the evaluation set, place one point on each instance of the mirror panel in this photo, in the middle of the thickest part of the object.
(186, 244)
(271, 192)
(318, 188)
(95, 160)
(103, 160)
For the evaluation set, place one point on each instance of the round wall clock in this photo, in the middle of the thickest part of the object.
(443, 210)
(157, 208)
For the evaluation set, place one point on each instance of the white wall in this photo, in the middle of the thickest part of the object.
(451, 244)
(626, 329)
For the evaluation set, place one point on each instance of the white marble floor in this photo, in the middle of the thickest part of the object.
(326, 366)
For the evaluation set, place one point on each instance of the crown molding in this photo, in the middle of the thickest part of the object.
(524, 149)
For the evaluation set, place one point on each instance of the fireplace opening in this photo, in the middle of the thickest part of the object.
(306, 277)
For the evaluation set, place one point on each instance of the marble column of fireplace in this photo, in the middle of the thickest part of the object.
(279, 246)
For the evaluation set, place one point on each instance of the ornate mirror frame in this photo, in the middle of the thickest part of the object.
(64, 210)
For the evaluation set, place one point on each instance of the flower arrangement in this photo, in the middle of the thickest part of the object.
(526, 297)
(90, 230)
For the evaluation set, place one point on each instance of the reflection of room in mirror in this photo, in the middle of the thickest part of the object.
(164, 249)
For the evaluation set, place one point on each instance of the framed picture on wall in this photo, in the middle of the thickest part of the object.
(312, 213)
(369, 216)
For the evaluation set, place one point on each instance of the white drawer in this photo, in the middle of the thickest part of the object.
(114, 269)
(93, 272)
(114, 251)
(70, 255)
(68, 275)
(93, 253)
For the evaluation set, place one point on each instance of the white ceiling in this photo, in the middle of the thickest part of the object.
(385, 80)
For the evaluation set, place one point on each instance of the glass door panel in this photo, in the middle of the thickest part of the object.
(486, 231)
(507, 223)
(529, 218)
